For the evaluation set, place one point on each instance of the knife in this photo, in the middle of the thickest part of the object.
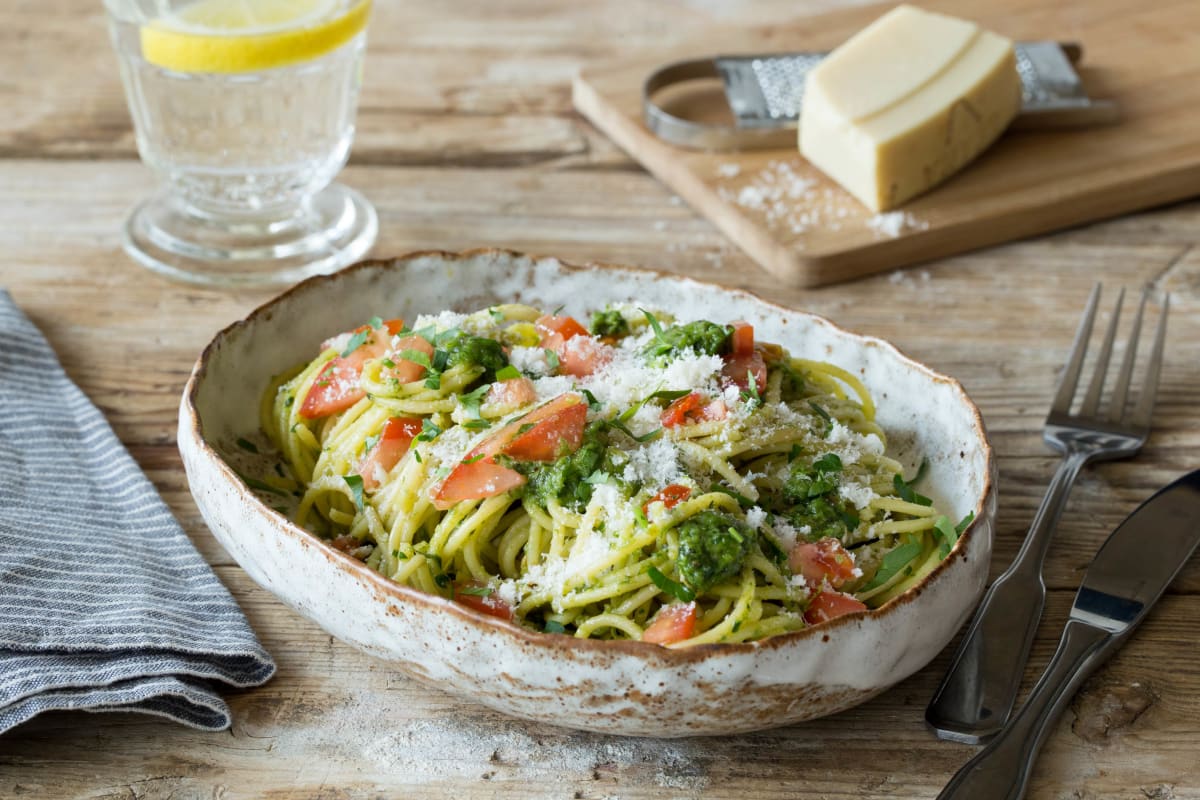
(1131, 571)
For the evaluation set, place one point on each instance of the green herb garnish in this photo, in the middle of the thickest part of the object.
(429, 431)
(356, 341)
(668, 586)
(907, 493)
(247, 445)
(552, 359)
(472, 400)
(823, 414)
(508, 373)
(892, 563)
(355, 482)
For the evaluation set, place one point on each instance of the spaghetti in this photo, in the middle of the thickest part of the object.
(678, 483)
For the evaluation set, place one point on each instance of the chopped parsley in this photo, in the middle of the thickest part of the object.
(247, 445)
(429, 431)
(552, 359)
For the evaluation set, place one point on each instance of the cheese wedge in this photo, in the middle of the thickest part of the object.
(907, 102)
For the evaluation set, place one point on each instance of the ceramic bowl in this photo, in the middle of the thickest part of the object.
(621, 687)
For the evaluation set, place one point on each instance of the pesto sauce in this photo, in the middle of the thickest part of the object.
(702, 337)
(609, 322)
(476, 351)
(812, 493)
(712, 547)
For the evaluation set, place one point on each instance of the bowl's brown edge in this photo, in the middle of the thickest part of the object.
(643, 649)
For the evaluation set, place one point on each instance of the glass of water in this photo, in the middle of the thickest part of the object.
(245, 110)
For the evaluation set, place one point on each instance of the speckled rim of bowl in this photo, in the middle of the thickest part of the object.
(474, 618)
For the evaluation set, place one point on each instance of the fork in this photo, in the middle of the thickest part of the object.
(978, 692)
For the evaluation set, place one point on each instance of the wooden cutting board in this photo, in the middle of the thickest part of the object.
(804, 228)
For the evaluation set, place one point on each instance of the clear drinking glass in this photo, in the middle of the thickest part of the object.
(245, 110)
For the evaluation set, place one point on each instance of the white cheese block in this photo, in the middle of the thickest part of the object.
(907, 102)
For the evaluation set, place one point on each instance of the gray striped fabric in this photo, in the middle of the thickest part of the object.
(105, 605)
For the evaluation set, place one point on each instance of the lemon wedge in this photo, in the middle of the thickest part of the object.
(248, 35)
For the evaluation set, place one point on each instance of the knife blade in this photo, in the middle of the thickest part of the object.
(1129, 574)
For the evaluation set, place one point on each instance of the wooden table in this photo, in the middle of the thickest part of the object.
(466, 137)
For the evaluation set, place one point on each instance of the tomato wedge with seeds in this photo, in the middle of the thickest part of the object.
(394, 441)
(673, 623)
(822, 560)
(336, 386)
(488, 604)
(541, 435)
(406, 371)
(669, 496)
(831, 605)
(693, 407)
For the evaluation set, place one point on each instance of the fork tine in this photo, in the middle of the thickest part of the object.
(1116, 406)
(1091, 400)
(1145, 406)
(1070, 378)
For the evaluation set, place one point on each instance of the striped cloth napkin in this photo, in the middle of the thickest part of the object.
(105, 605)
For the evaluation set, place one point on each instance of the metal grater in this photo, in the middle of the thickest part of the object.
(765, 94)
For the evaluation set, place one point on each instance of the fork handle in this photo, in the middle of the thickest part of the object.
(1001, 770)
(977, 693)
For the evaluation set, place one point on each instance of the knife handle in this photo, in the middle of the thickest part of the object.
(1001, 770)
(979, 690)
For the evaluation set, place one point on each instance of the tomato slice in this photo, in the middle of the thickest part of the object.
(831, 605)
(738, 368)
(693, 407)
(541, 435)
(407, 371)
(475, 481)
(394, 441)
(673, 623)
(743, 338)
(556, 330)
(336, 386)
(669, 496)
(557, 428)
(582, 356)
(514, 392)
(822, 560)
(488, 604)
